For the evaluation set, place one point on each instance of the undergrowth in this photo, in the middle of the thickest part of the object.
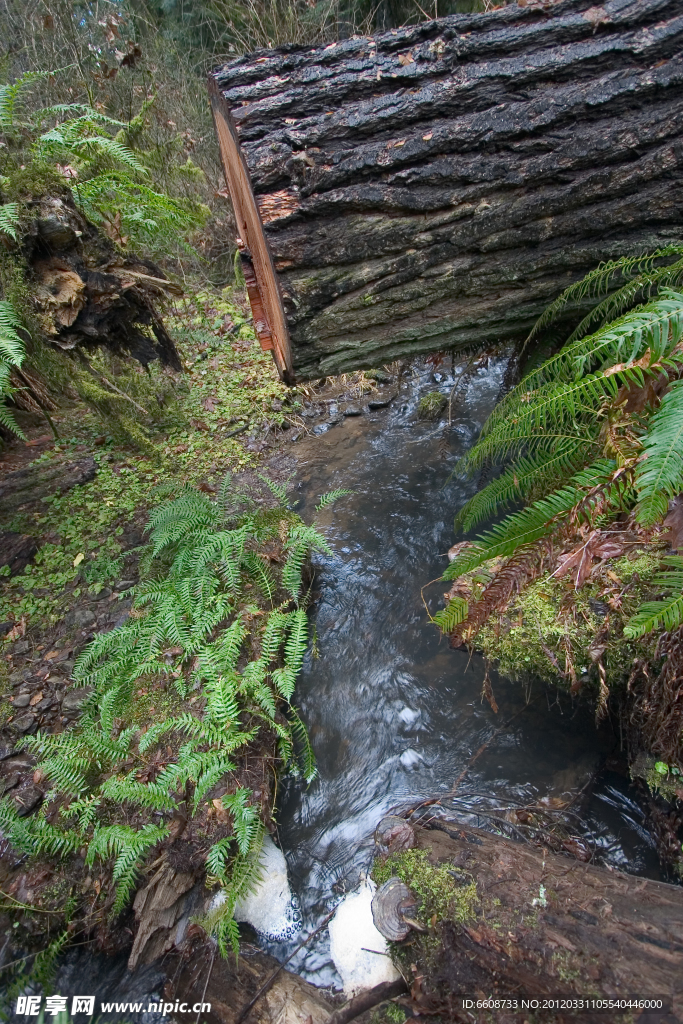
(219, 620)
(589, 443)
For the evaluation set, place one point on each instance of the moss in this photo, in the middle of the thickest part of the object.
(443, 893)
(33, 181)
(430, 405)
(552, 631)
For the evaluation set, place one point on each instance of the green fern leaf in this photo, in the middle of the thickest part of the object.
(659, 476)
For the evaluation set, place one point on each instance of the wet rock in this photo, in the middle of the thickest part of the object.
(24, 723)
(124, 584)
(22, 700)
(123, 617)
(44, 704)
(27, 800)
(104, 593)
(9, 782)
(5, 627)
(6, 752)
(321, 428)
(598, 608)
(352, 410)
(21, 647)
(16, 551)
(394, 835)
(380, 403)
(74, 699)
(80, 617)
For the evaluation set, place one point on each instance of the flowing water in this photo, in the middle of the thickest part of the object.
(394, 715)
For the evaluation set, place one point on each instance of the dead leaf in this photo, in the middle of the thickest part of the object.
(560, 940)
(210, 403)
(36, 698)
(596, 651)
(428, 136)
(221, 812)
(52, 654)
(18, 630)
(405, 59)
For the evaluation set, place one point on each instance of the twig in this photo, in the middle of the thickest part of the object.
(366, 1000)
(206, 984)
(264, 988)
(237, 430)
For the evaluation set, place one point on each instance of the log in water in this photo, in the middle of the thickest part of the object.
(434, 187)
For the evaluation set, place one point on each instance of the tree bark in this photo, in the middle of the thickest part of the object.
(550, 927)
(436, 186)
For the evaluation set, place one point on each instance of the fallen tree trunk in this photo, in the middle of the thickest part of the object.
(549, 929)
(434, 187)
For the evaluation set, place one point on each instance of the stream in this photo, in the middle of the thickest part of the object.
(394, 715)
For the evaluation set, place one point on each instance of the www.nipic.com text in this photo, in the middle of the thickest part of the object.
(30, 1006)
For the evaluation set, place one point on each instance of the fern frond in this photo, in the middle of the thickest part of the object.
(639, 289)
(245, 818)
(599, 281)
(452, 615)
(538, 472)
(9, 219)
(664, 615)
(330, 497)
(659, 476)
(307, 757)
(538, 399)
(278, 490)
(538, 520)
(12, 349)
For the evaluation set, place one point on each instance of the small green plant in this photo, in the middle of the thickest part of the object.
(87, 151)
(592, 433)
(212, 617)
(12, 352)
(430, 405)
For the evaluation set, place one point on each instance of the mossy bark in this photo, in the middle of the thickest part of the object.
(545, 927)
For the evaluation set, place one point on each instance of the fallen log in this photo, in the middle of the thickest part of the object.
(548, 928)
(436, 186)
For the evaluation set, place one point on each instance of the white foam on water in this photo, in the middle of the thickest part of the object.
(269, 907)
(410, 758)
(358, 950)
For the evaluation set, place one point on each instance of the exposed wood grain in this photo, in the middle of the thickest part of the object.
(264, 292)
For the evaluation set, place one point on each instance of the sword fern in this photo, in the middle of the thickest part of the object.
(605, 410)
(194, 626)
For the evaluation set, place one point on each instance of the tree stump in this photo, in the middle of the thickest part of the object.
(436, 186)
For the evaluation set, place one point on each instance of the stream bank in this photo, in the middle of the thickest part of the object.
(394, 715)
